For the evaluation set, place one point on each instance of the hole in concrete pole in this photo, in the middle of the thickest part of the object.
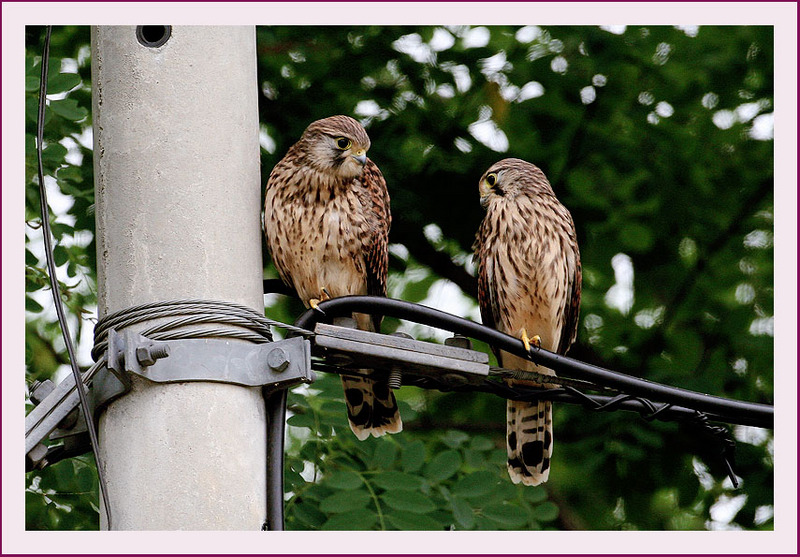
(153, 36)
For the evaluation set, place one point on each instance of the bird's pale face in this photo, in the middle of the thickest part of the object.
(507, 179)
(340, 154)
(494, 184)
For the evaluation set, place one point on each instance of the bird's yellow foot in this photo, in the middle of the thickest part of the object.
(324, 295)
(536, 340)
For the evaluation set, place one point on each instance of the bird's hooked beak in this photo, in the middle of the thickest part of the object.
(485, 191)
(360, 156)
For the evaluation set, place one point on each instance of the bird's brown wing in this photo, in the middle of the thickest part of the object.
(569, 331)
(376, 247)
(273, 199)
(486, 294)
(371, 405)
(572, 303)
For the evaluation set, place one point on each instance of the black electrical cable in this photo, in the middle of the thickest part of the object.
(277, 286)
(51, 267)
(760, 414)
(276, 428)
(596, 402)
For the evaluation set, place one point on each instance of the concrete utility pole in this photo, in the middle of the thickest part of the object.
(177, 187)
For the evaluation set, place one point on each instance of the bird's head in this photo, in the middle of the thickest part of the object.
(337, 145)
(511, 177)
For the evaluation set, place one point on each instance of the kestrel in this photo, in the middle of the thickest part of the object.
(529, 281)
(326, 220)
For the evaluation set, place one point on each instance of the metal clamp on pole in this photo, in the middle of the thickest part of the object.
(53, 416)
(284, 362)
(281, 364)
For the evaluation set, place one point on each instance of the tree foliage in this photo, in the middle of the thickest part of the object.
(658, 140)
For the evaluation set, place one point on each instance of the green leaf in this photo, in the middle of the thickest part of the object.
(546, 512)
(62, 82)
(506, 515)
(30, 259)
(60, 255)
(463, 513)
(30, 145)
(498, 457)
(32, 110)
(535, 494)
(316, 492)
(293, 480)
(635, 236)
(344, 501)
(54, 154)
(32, 83)
(443, 465)
(71, 173)
(454, 438)
(416, 291)
(31, 64)
(85, 478)
(411, 521)
(33, 306)
(69, 109)
(474, 459)
(308, 513)
(385, 454)
(302, 420)
(352, 520)
(392, 480)
(345, 479)
(408, 501)
(480, 443)
(60, 229)
(476, 484)
(335, 418)
(413, 456)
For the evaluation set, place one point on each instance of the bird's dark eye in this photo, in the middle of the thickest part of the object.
(343, 143)
(491, 179)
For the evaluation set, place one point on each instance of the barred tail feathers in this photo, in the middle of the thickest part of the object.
(529, 441)
(371, 407)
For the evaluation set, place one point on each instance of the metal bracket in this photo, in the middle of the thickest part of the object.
(281, 363)
(274, 364)
(54, 409)
(349, 347)
(217, 360)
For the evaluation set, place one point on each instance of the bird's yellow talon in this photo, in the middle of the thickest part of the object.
(313, 302)
(536, 340)
(324, 294)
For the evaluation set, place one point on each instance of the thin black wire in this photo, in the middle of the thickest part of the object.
(51, 267)
(646, 409)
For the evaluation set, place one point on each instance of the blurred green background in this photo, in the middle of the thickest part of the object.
(659, 141)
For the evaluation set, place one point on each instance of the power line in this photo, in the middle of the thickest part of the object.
(729, 410)
(51, 267)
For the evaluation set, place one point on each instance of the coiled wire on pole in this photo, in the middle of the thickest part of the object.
(219, 319)
(212, 319)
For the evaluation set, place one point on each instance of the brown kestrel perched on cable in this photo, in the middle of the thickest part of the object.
(529, 281)
(326, 220)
